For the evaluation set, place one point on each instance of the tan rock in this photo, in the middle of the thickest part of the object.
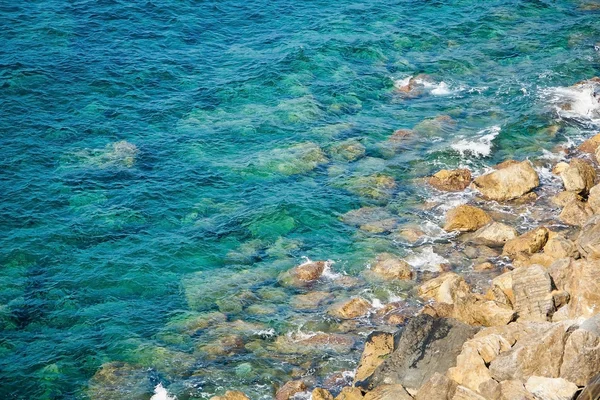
(579, 177)
(559, 247)
(451, 180)
(588, 242)
(535, 259)
(231, 395)
(535, 355)
(377, 346)
(474, 309)
(389, 266)
(526, 244)
(508, 183)
(502, 291)
(564, 198)
(590, 145)
(470, 370)
(465, 218)
(560, 271)
(581, 359)
(597, 156)
(321, 394)
(353, 308)
(594, 199)
(532, 289)
(463, 393)
(483, 267)
(514, 390)
(350, 393)
(316, 343)
(288, 390)
(559, 168)
(584, 288)
(388, 392)
(381, 226)
(576, 213)
(438, 387)
(495, 234)
(551, 388)
(303, 274)
(445, 288)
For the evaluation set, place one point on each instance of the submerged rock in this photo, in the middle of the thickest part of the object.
(311, 300)
(303, 274)
(353, 308)
(118, 380)
(314, 343)
(389, 266)
(465, 218)
(348, 150)
(296, 159)
(508, 183)
(451, 180)
(231, 395)
(377, 187)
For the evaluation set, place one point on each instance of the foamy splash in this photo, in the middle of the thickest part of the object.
(426, 260)
(480, 146)
(434, 88)
(580, 102)
(160, 393)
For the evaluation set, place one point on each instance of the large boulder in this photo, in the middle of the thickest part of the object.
(532, 287)
(495, 234)
(551, 388)
(451, 180)
(377, 347)
(508, 183)
(389, 266)
(526, 244)
(446, 288)
(475, 309)
(576, 213)
(579, 177)
(590, 145)
(465, 218)
(427, 345)
(588, 242)
(559, 247)
(583, 286)
(594, 199)
(581, 358)
(303, 274)
(438, 387)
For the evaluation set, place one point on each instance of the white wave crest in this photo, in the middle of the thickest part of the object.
(160, 393)
(580, 102)
(479, 146)
(426, 260)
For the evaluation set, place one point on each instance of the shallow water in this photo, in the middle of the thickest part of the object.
(164, 161)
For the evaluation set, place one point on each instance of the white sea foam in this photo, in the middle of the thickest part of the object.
(426, 260)
(160, 393)
(265, 333)
(441, 89)
(480, 146)
(435, 88)
(580, 102)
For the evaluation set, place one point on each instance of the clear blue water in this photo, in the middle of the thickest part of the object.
(164, 160)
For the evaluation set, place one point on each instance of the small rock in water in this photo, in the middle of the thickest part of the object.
(348, 150)
(389, 266)
(495, 234)
(451, 180)
(303, 274)
(466, 218)
(287, 391)
(353, 308)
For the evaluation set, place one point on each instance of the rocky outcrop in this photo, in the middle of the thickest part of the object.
(437, 387)
(584, 288)
(579, 177)
(451, 180)
(508, 183)
(466, 218)
(427, 345)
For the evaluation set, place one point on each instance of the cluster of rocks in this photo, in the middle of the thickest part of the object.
(533, 333)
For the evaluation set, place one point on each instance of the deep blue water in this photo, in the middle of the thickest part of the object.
(164, 160)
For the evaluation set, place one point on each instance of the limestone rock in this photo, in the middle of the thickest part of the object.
(579, 177)
(463, 393)
(388, 392)
(465, 218)
(576, 213)
(377, 346)
(513, 390)
(321, 394)
(474, 309)
(594, 199)
(348, 150)
(532, 287)
(535, 355)
(564, 198)
(231, 395)
(353, 308)
(551, 388)
(389, 266)
(445, 288)
(318, 343)
(451, 180)
(581, 359)
(584, 288)
(590, 145)
(561, 271)
(591, 390)
(438, 387)
(310, 300)
(350, 393)
(559, 168)
(502, 291)
(526, 244)
(588, 242)
(508, 183)
(303, 274)
(427, 345)
(288, 390)
(470, 370)
(559, 247)
(495, 234)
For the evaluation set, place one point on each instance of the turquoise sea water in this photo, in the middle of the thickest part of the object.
(163, 162)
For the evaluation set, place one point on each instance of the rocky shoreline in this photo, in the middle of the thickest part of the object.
(532, 332)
